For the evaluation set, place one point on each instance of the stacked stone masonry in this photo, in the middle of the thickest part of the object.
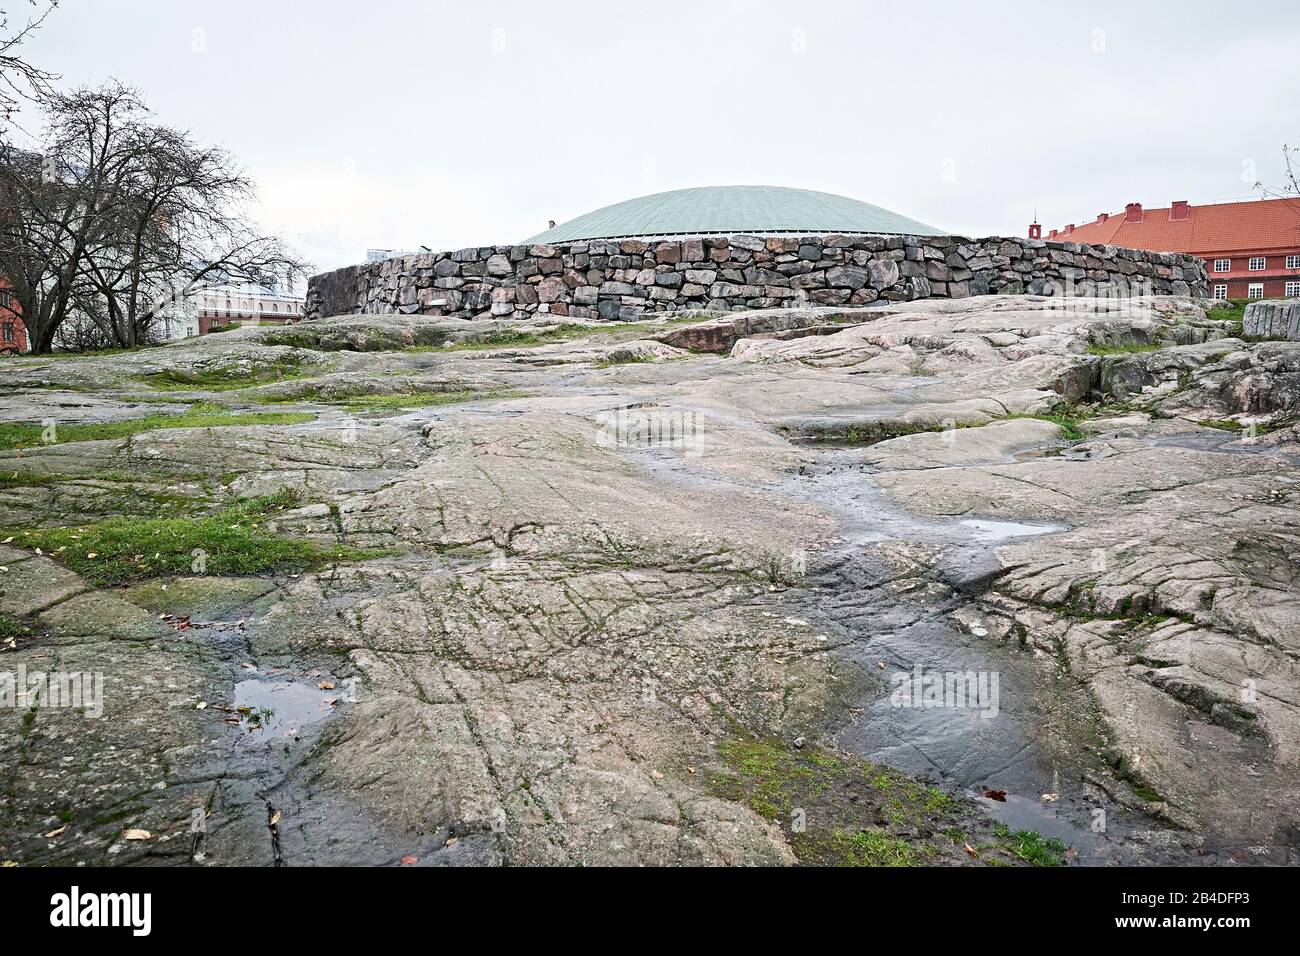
(624, 279)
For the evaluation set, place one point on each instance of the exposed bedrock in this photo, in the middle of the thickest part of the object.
(598, 593)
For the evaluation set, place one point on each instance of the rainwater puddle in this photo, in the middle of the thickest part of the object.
(276, 708)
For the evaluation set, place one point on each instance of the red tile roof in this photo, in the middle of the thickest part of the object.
(1220, 227)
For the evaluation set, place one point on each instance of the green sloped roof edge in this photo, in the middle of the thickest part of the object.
(734, 209)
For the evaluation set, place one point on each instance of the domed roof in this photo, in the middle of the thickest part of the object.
(734, 209)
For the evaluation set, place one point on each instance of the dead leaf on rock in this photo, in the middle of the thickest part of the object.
(275, 818)
(971, 850)
(135, 834)
(409, 859)
(999, 795)
(53, 833)
(326, 685)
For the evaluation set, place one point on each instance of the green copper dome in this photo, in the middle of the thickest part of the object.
(734, 209)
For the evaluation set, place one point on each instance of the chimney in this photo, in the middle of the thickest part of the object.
(1179, 211)
(1133, 212)
(1103, 216)
(550, 224)
(1069, 228)
(1053, 234)
(1035, 231)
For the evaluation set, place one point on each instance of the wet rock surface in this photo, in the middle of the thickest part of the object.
(662, 593)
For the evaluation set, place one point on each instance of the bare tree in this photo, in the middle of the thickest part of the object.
(57, 206)
(180, 224)
(121, 219)
(18, 78)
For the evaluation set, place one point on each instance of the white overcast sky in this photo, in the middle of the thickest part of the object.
(393, 123)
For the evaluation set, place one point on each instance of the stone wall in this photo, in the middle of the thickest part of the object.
(625, 279)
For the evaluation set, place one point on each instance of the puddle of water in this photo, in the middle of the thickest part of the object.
(1030, 747)
(1023, 748)
(277, 708)
(995, 532)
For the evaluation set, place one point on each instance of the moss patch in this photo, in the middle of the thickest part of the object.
(232, 541)
(1222, 424)
(284, 368)
(24, 435)
(21, 479)
(389, 401)
(839, 810)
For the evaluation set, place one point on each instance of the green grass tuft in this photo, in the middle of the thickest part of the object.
(416, 399)
(842, 798)
(9, 628)
(233, 541)
(1031, 846)
(26, 435)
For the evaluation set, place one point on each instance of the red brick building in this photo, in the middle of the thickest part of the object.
(13, 334)
(1251, 249)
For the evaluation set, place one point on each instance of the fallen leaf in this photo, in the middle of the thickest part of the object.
(326, 685)
(971, 850)
(54, 833)
(1051, 797)
(201, 705)
(275, 818)
(92, 554)
(999, 795)
(451, 841)
(409, 859)
(137, 835)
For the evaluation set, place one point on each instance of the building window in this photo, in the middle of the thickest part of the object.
(1293, 262)
(1221, 291)
(1222, 265)
(9, 331)
(1293, 290)
(1255, 290)
(1257, 264)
